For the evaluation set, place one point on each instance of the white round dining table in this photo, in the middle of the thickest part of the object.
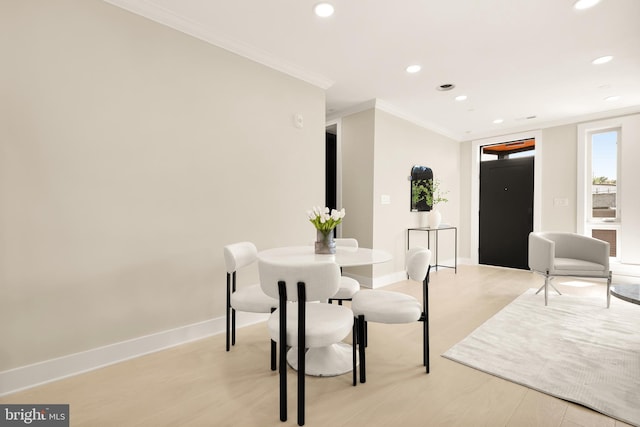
(335, 359)
(344, 256)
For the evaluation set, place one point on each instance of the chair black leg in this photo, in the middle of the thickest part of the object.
(301, 349)
(228, 309)
(233, 311)
(425, 350)
(425, 322)
(273, 355)
(233, 326)
(273, 350)
(354, 343)
(366, 334)
(361, 347)
(282, 340)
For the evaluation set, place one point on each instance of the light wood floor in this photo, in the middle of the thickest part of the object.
(199, 384)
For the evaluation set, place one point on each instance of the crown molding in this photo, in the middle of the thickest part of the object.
(353, 109)
(394, 111)
(170, 19)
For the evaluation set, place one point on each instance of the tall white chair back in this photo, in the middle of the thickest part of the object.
(248, 298)
(347, 242)
(328, 324)
(393, 307)
(348, 285)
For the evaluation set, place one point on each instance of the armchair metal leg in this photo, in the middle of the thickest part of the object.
(547, 283)
(609, 290)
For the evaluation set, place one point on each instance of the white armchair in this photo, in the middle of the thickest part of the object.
(568, 254)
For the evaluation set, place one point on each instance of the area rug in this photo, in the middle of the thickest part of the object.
(574, 349)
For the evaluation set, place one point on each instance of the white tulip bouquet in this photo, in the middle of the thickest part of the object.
(325, 220)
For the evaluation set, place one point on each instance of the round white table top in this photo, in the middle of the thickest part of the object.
(344, 256)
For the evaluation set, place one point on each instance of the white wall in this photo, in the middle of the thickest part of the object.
(357, 144)
(399, 145)
(129, 155)
(379, 150)
(559, 172)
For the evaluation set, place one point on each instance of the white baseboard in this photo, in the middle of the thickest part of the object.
(29, 376)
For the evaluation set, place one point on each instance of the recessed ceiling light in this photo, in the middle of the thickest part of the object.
(323, 10)
(446, 86)
(602, 60)
(413, 69)
(612, 98)
(585, 4)
(498, 121)
(461, 98)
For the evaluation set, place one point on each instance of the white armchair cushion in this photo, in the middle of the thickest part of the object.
(572, 266)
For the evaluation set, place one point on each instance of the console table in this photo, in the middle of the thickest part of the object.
(437, 231)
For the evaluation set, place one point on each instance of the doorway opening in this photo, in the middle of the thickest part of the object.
(333, 176)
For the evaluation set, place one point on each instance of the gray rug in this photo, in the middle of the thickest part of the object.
(574, 349)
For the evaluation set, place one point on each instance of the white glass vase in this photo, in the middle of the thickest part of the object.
(325, 243)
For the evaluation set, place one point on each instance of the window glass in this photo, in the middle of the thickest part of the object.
(603, 194)
(604, 173)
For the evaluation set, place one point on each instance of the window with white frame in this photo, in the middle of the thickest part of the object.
(602, 196)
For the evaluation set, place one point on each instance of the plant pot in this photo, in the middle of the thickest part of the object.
(435, 218)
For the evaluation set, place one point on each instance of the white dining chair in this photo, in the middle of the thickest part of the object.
(298, 321)
(348, 285)
(249, 298)
(393, 307)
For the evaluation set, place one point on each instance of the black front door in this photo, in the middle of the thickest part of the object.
(506, 212)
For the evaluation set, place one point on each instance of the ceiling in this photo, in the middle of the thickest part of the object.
(527, 62)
